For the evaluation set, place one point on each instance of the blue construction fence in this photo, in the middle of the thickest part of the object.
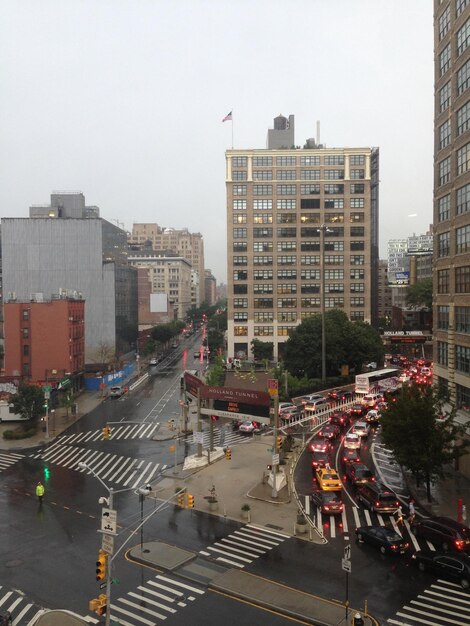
(92, 383)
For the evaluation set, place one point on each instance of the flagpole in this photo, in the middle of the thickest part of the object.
(232, 129)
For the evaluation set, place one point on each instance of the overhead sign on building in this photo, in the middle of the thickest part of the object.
(236, 395)
(192, 384)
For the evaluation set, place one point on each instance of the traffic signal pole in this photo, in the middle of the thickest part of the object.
(276, 427)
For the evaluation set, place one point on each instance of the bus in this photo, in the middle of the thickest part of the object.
(380, 380)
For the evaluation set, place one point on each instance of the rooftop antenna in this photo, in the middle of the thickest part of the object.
(318, 132)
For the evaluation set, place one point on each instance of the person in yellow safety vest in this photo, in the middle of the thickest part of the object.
(40, 491)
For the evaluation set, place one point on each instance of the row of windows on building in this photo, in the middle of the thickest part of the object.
(284, 331)
(460, 44)
(461, 238)
(461, 280)
(462, 203)
(462, 83)
(285, 288)
(462, 124)
(265, 204)
(305, 303)
(291, 190)
(354, 174)
(286, 246)
(314, 259)
(291, 160)
(445, 18)
(462, 356)
(462, 162)
(267, 233)
(330, 274)
(355, 217)
(461, 318)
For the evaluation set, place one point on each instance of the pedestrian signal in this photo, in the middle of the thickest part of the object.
(228, 454)
(278, 443)
(101, 565)
(102, 606)
(190, 501)
(181, 499)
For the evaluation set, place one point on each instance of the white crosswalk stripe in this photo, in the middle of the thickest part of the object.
(112, 467)
(443, 604)
(20, 608)
(244, 545)
(7, 459)
(155, 601)
(124, 431)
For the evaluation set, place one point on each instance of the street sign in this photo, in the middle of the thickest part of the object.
(107, 543)
(347, 552)
(346, 565)
(198, 436)
(275, 459)
(103, 585)
(273, 387)
(236, 416)
(47, 395)
(108, 521)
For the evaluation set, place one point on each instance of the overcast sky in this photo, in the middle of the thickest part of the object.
(124, 99)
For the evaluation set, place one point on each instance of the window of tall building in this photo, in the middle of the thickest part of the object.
(334, 203)
(262, 218)
(357, 174)
(240, 317)
(240, 331)
(444, 23)
(356, 203)
(443, 281)
(355, 274)
(310, 218)
(357, 159)
(240, 303)
(334, 246)
(310, 246)
(263, 303)
(463, 199)
(334, 303)
(334, 159)
(287, 232)
(443, 317)
(357, 316)
(25, 314)
(286, 246)
(442, 353)
(444, 134)
(462, 319)
(356, 287)
(334, 218)
(460, 6)
(357, 259)
(309, 160)
(239, 289)
(310, 274)
(239, 175)
(357, 301)
(310, 259)
(286, 190)
(310, 203)
(260, 233)
(286, 316)
(463, 37)
(263, 260)
(287, 259)
(286, 303)
(263, 175)
(240, 233)
(333, 174)
(239, 205)
(463, 118)
(463, 158)
(462, 397)
(462, 279)
(310, 288)
(262, 288)
(463, 239)
(333, 189)
(356, 216)
(310, 175)
(336, 274)
(286, 288)
(444, 171)
(239, 190)
(357, 245)
(286, 161)
(262, 161)
(239, 218)
(240, 275)
(444, 208)
(263, 316)
(239, 161)
(285, 175)
(263, 331)
(286, 218)
(462, 359)
(356, 187)
(309, 303)
(443, 244)
(284, 331)
(445, 59)
(306, 190)
(262, 190)
(334, 288)
(463, 78)
(240, 260)
(262, 246)
(445, 94)
(286, 204)
(262, 204)
(262, 274)
(357, 231)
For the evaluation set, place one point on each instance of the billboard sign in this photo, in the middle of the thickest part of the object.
(236, 395)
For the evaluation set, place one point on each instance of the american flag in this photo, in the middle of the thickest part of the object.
(228, 117)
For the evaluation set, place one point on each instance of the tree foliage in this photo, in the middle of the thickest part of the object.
(28, 401)
(422, 434)
(420, 294)
(216, 374)
(262, 349)
(347, 343)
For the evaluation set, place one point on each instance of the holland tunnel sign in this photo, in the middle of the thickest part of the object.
(238, 401)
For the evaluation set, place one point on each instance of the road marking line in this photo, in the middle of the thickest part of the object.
(255, 556)
(332, 526)
(154, 602)
(446, 595)
(230, 554)
(345, 521)
(268, 530)
(236, 543)
(356, 516)
(368, 518)
(428, 614)
(436, 601)
(219, 558)
(178, 584)
(156, 593)
(437, 608)
(115, 607)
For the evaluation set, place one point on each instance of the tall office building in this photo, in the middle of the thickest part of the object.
(452, 203)
(181, 242)
(281, 205)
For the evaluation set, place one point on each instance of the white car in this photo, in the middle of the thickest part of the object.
(153, 361)
(352, 441)
(311, 398)
(361, 428)
(286, 406)
(247, 427)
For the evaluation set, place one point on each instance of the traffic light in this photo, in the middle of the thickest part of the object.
(101, 565)
(278, 443)
(181, 499)
(102, 606)
(93, 604)
(228, 454)
(106, 432)
(46, 473)
(190, 501)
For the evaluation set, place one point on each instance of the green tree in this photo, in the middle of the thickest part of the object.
(150, 347)
(67, 400)
(262, 349)
(422, 434)
(161, 333)
(28, 401)
(420, 294)
(216, 374)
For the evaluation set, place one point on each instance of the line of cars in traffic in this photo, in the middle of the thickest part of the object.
(352, 427)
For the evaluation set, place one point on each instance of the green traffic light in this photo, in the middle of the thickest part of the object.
(46, 473)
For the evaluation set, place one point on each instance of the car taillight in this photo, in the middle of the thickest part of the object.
(377, 504)
(372, 479)
(393, 546)
(326, 508)
(459, 544)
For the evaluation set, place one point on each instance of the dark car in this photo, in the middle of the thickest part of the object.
(453, 566)
(5, 617)
(384, 538)
(329, 431)
(320, 444)
(336, 394)
(357, 409)
(320, 459)
(444, 532)
(340, 418)
(346, 395)
(358, 474)
(328, 501)
(350, 456)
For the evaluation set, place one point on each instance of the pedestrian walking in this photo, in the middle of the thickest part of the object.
(40, 491)
(399, 514)
(411, 511)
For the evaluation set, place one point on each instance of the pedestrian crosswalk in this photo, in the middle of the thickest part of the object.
(126, 471)
(142, 430)
(9, 458)
(244, 545)
(225, 438)
(156, 600)
(443, 604)
(22, 610)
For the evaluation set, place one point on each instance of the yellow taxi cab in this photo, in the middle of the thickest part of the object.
(328, 479)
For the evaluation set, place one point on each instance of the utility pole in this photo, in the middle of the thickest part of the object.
(276, 428)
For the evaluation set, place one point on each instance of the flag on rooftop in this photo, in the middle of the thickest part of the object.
(228, 117)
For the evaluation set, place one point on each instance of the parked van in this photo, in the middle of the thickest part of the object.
(7, 412)
(371, 399)
(377, 497)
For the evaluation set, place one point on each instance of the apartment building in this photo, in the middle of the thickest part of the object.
(384, 294)
(181, 242)
(289, 212)
(451, 317)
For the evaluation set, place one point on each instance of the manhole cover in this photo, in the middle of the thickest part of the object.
(14, 563)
